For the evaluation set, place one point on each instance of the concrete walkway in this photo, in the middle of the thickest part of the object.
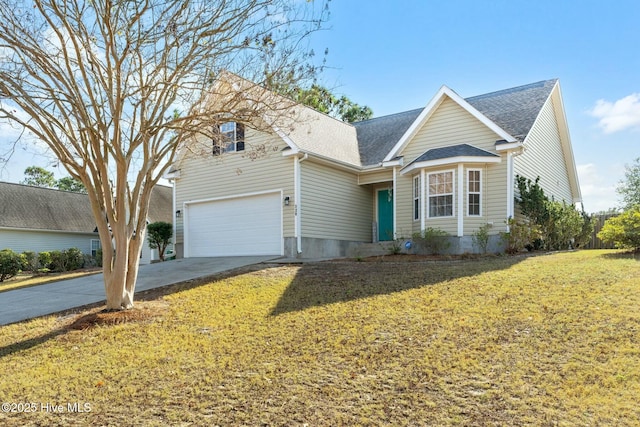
(36, 301)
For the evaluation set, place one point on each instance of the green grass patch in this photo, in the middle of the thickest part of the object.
(544, 340)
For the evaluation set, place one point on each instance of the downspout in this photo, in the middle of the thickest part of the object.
(460, 200)
(395, 174)
(423, 200)
(173, 214)
(297, 223)
(511, 184)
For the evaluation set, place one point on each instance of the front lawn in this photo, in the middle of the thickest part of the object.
(544, 340)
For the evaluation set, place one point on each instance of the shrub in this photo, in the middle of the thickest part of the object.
(560, 225)
(75, 259)
(623, 230)
(481, 238)
(98, 258)
(11, 264)
(44, 260)
(159, 235)
(30, 261)
(521, 235)
(432, 240)
(67, 260)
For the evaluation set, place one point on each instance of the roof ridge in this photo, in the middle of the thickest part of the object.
(387, 116)
(39, 188)
(512, 89)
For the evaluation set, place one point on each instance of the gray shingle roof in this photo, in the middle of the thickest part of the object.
(515, 109)
(460, 150)
(35, 208)
(376, 137)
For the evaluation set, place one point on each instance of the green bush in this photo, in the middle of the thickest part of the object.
(44, 260)
(159, 235)
(66, 260)
(560, 225)
(521, 235)
(623, 230)
(11, 264)
(481, 238)
(75, 259)
(30, 261)
(432, 240)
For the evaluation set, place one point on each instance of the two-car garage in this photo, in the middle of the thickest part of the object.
(234, 226)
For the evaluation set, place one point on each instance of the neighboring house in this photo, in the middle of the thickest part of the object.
(323, 186)
(42, 219)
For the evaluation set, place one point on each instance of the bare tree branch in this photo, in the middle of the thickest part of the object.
(99, 82)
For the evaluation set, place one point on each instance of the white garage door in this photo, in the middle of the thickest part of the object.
(250, 225)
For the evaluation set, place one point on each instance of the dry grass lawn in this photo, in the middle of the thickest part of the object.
(544, 340)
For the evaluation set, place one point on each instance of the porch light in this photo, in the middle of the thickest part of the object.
(178, 213)
(286, 200)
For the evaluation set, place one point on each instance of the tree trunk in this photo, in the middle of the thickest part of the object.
(120, 279)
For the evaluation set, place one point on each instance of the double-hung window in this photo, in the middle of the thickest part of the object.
(474, 193)
(440, 194)
(229, 138)
(416, 198)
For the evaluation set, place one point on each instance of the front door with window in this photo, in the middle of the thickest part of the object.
(385, 215)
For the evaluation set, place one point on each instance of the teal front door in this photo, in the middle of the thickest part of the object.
(385, 215)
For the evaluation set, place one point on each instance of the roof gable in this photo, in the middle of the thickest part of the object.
(431, 107)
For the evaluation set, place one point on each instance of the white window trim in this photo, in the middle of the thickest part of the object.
(453, 193)
(416, 198)
(469, 192)
(233, 141)
(91, 246)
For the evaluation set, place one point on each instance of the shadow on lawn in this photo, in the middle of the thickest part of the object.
(623, 255)
(79, 316)
(323, 283)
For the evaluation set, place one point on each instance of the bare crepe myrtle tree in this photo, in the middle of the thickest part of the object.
(114, 88)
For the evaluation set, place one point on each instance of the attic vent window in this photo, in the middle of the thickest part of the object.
(229, 138)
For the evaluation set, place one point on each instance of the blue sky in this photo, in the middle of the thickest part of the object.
(394, 55)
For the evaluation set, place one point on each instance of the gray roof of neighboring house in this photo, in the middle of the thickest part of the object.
(514, 110)
(460, 150)
(36, 208)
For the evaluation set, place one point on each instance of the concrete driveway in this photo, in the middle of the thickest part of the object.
(27, 303)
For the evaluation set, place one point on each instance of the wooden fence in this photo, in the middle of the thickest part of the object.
(596, 243)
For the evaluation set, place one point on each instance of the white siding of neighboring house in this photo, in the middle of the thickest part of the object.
(543, 156)
(206, 176)
(42, 241)
(450, 125)
(334, 206)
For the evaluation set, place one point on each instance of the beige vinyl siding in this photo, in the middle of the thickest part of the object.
(334, 206)
(450, 125)
(405, 225)
(207, 176)
(375, 177)
(494, 198)
(543, 156)
(41, 241)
